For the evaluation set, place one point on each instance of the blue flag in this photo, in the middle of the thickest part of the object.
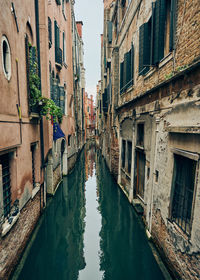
(57, 132)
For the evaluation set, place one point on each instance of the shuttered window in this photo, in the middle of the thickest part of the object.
(109, 32)
(172, 24)
(121, 76)
(127, 70)
(105, 101)
(159, 30)
(144, 47)
(50, 32)
(57, 35)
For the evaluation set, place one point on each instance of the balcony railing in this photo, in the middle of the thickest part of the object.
(58, 57)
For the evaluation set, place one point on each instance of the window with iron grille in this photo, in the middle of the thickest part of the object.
(4, 161)
(183, 192)
(123, 153)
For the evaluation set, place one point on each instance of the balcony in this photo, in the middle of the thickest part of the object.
(58, 57)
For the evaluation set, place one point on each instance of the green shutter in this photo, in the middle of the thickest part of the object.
(109, 25)
(159, 30)
(172, 24)
(121, 76)
(57, 35)
(128, 69)
(125, 71)
(144, 47)
(132, 64)
(141, 48)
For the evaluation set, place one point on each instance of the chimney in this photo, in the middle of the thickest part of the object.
(79, 25)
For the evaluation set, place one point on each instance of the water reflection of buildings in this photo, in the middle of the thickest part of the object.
(58, 249)
(89, 160)
(125, 253)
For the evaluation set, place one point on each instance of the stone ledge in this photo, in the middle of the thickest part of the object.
(6, 227)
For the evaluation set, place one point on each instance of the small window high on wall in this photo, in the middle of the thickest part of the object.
(6, 57)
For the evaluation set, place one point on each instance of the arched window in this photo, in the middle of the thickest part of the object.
(6, 57)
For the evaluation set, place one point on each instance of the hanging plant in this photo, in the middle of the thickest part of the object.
(47, 107)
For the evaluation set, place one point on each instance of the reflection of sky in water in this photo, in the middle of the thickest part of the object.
(89, 231)
(91, 235)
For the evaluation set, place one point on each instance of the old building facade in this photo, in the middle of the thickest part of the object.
(39, 108)
(150, 96)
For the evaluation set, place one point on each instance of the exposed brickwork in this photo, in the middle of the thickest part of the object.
(13, 244)
(184, 266)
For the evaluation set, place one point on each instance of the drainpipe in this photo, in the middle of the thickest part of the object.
(39, 73)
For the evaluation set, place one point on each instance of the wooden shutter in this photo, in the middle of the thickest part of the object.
(172, 24)
(141, 48)
(50, 32)
(125, 71)
(144, 47)
(109, 32)
(128, 69)
(57, 35)
(159, 30)
(132, 64)
(121, 76)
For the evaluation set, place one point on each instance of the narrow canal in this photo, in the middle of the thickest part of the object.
(90, 231)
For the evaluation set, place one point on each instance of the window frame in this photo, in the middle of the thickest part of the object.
(180, 224)
(6, 60)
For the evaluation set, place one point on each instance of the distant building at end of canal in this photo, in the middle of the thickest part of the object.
(42, 79)
(148, 119)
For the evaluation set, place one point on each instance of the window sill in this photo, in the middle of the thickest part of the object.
(35, 190)
(65, 65)
(165, 60)
(127, 174)
(179, 230)
(6, 227)
(127, 91)
(140, 147)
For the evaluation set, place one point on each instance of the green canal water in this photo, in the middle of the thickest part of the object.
(89, 231)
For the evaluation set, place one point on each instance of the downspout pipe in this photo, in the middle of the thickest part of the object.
(39, 73)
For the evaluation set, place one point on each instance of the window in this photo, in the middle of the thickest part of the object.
(5, 162)
(127, 70)
(58, 51)
(144, 47)
(156, 37)
(63, 9)
(123, 153)
(109, 23)
(183, 191)
(140, 134)
(6, 57)
(69, 140)
(64, 48)
(50, 32)
(31, 70)
(129, 156)
(33, 151)
(58, 2)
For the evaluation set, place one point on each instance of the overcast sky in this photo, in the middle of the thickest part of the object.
(90, 12)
